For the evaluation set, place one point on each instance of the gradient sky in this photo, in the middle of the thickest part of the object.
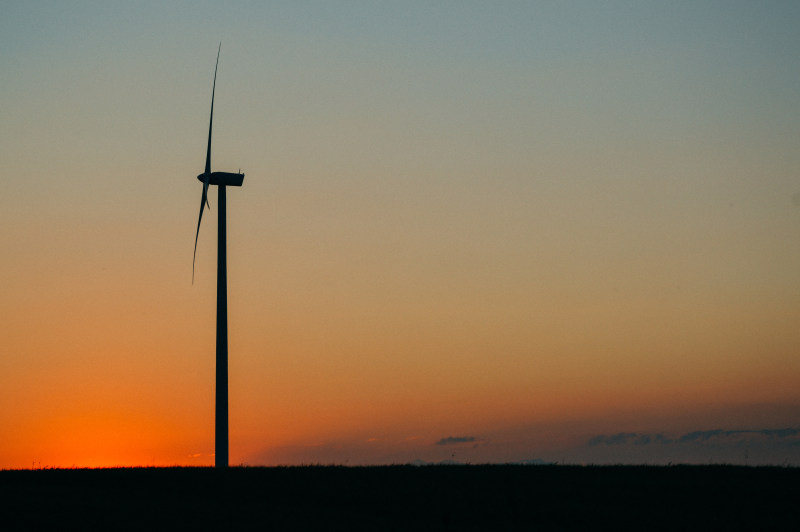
(479, 231)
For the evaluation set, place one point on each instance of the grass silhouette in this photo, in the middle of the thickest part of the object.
(476, 497)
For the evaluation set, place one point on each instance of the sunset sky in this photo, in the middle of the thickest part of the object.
(470, 231)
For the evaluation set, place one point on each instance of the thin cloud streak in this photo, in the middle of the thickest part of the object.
(454, 440)
(699, 436)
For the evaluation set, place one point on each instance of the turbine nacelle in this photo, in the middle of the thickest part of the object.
(228, 179)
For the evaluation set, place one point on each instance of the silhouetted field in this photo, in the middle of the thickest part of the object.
(491, 497)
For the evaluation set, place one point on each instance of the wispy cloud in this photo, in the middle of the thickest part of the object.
(645, 439)
(706, 435)
(614, 439)
(453, 440)
(699, 436)
(622, 438)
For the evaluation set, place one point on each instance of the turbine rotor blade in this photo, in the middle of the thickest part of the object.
(211, 119)
(204, 197)
(203, 201)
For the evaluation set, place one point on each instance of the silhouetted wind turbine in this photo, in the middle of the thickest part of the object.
(222, 180)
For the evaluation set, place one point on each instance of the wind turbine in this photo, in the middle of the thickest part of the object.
(221, 180)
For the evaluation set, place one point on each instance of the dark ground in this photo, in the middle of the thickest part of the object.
(500, 497)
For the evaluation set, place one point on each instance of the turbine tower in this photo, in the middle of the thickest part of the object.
(221, 180)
